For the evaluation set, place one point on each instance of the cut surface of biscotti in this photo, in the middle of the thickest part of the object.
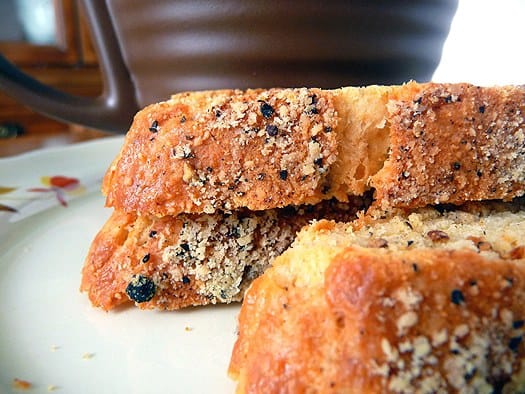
(174, 262)
(416, 144)
(432, 302)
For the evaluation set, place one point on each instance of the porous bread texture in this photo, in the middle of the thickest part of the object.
(191, 260)
(363, 137)
(336, 313)
(416, 144)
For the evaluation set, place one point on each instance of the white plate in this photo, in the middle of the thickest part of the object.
(49, 333)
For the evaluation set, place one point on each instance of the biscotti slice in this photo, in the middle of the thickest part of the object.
(213, 151)
(175, 262)
(417, 144)
(452, 143)
(204, 152)
(431, 302)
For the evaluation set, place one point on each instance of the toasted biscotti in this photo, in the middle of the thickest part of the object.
(225, 150)
(174, 262)
(431, 301)
(416, 144)
(453, 143)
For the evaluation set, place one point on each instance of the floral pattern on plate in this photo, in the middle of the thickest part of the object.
(58, 187)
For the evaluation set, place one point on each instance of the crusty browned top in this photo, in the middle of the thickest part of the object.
(223, 150)
(259, 149)
(423, 321)
(452, 143)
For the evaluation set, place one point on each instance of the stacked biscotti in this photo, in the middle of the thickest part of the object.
(204, 196)
(210, 186)
(425, 292)
(418, 289)
(197, 181)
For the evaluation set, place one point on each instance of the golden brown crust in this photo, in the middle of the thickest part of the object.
(260, 149)
(224, 150)
(452, 143)
(332, 317)
(192, 259)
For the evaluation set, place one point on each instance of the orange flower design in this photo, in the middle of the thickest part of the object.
(60, 186)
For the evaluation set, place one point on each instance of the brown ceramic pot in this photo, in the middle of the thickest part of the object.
(151, 49)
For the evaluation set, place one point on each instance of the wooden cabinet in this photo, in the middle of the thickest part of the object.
(68, 64)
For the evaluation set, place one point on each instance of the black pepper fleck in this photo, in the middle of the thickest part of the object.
(141, 289)
(327, 129)
(272, 130)
(410, 242)
(261, 176)
(518, 324)
(318, 161)
(184, 251)
(146, 257)
(456, 166)
(152, 233)
(186, 154)
(448, 99)
(183, 119)
(457, 297)
(415, 267)
(154, 127)
(469, 375)
(481, 109)
(312, 108)
(185, 280)
(266, 110)
(514, 343)
(283, 174)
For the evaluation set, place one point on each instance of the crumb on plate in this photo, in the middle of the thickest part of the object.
(19, 384)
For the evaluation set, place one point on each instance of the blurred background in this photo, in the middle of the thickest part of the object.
(51, 41)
